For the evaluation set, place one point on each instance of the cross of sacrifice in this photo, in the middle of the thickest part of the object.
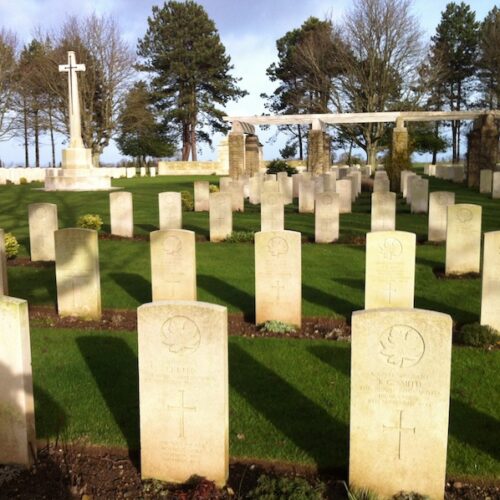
(74, 102)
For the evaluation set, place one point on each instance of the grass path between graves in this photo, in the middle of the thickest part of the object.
(289, 399)
(333, 275)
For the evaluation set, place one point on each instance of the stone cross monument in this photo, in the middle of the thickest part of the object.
(75, 128)
(77, 172)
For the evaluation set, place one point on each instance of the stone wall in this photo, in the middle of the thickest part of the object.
(191, 168)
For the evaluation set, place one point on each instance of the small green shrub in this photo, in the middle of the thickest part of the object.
(11, 245)
(213, 188)
(89, 221)
(23, 180)
(477, 335)
(187, 201)
(240, 237)
(276, 166)
(274, 326)
(287, 488)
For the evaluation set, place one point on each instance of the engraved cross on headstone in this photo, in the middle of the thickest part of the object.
(400, 429)
(182, 409)
(278, 287)
(75, 131)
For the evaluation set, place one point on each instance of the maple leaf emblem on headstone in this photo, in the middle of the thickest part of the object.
(277, 246)
(181, 334)
(402, 346)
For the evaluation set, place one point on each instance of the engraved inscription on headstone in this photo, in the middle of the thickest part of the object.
(278, 277)
(183, 391)
(400, 390)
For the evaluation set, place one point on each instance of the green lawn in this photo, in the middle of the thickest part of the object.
(289, 399)
(333, 275)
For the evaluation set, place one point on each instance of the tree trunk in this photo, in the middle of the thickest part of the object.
(25, 123)
(459, 107)
(186, 142)
(52, 143)
(37, 139)
(371, 154)
(301, 150)
(434, 151)
(194, 154)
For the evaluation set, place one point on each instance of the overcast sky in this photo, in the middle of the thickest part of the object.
(248, 29)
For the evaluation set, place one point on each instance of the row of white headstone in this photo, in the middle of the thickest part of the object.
(16, 175)
(400, 388)
(457, 224)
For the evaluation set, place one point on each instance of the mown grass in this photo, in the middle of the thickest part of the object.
(289, 399)
(333, 275)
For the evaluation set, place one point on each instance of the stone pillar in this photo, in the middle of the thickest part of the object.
(315, 152)
(327, 152)
(236, 154)
(482, 148)
(400, 159)
(252, 157)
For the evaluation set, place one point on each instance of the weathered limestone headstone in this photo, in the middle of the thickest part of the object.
(495, 191)
(390, 269)
(296, 182)
(400, 393)
(270, 186)
(201, 192)
(224, 183)
(272, 212)
(438, 209)
(121, 214)
(42, 224)
(329, 182)
(319, 186)
(420, 196)
(490, 300)
(286, 189)
(463, 239)
(4, 281)
(237, 196)
(77, 273)
(173, 265)
(221, 216)
(485, 180)
(381, 184)
(183, 389)
(383, 214)
(326, 220)
(306, 196)
(405, 180)
(255, 186)
(17, 417)
(344, 189)
(409, 187)
(278, 277)
(170, 204)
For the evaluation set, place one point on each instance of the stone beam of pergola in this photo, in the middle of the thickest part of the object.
(246, 124)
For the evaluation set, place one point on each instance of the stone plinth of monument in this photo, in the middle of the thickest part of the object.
(77, 172)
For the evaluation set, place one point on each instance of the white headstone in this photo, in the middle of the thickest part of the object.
(121, 214)
(170, 205)
(438, 209)
(221, 216)
(201, 191)
(490, 300)
(173, 265)
(400, 393)
(383, 214)
(344, 189)
(42, 224)
(272, 212)
(17, 411)
(183, 391)
(326, 220)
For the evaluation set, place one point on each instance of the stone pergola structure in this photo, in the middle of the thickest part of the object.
(244, 151)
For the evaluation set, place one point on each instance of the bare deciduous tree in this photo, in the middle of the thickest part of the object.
(378, 58)
(8, 49)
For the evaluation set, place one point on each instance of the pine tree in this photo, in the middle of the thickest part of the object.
(489, 59)
(140, 133)
(455, 48)
(191, 71)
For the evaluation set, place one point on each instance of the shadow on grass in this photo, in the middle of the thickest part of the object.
(49, 415)
(228, 294)
(147, 227)
(458, 315)
(475, 428)
(329, 301)
(134, 284)
(309, 426)
(114, 368)
(333, 356)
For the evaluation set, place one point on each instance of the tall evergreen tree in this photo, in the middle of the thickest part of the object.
(455, 49)
(489, 59)
(139, 132)
(191, 71)
(304, 74)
